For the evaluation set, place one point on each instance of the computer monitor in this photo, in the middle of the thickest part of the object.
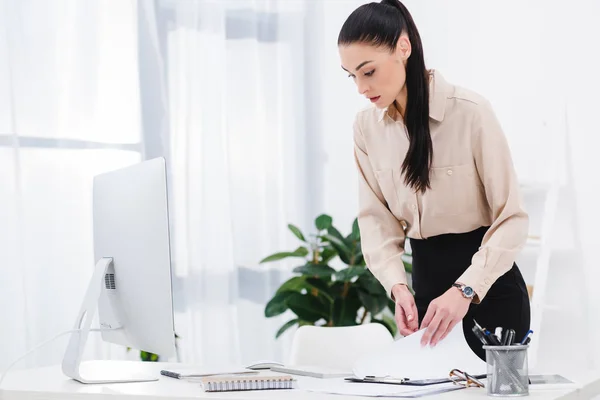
(131, 284)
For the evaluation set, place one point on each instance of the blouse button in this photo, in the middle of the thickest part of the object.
(449, 172)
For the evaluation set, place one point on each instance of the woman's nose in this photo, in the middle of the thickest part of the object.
(362, 87)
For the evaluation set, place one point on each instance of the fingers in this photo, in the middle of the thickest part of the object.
(429, 315)
(401, 322)
(403, 328)
(432, 327)
(404, 320)
(441, 331)
(412, 315)
(450, 327)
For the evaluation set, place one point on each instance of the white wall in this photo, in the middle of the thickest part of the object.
(534, 61)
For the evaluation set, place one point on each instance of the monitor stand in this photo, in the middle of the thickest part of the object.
(95, 371)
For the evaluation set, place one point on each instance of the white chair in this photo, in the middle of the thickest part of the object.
(336, 347)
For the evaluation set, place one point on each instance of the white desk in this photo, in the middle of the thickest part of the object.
(49, 383)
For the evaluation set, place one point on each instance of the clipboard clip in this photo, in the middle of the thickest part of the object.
(464, 379)
(384, 379)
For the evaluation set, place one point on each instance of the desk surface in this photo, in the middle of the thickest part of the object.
(49, 383)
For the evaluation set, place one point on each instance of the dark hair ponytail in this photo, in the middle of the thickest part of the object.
(381, 24)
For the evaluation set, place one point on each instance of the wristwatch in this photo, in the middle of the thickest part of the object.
(467, 291)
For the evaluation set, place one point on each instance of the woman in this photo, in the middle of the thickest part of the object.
(434, 166)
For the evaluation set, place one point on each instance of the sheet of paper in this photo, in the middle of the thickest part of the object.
(339, 386)
(405, 358)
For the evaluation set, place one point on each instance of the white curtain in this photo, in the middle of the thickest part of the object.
(69, 109)
(232, 102)
(216, 88)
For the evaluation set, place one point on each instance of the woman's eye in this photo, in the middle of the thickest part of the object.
(370, 73)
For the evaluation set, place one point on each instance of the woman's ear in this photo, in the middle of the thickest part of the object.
(403, 47)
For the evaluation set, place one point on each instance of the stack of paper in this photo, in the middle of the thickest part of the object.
(405, 358)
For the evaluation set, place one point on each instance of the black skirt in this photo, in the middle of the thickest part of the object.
(439, 261)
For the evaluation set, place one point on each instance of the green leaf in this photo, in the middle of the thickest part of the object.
(337, 289)
(296, 232)
(299, 283)
(299, 252)
(373, 304)
(323, 222)
(277, 305)
(295, 284)
(319, 283)
(407, 266)
(356, 256)
(370, 284)
(392, 306)
(339, 244)
(389, 323)
(333, 232)
(327, 254)
(311, 269)
(321, 289)
(345, 310)
(307, 307)
(359, 259)
(286, 326)
(147, 356)
(355, 230)
(347, 274)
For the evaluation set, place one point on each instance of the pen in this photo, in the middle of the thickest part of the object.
(478, 331)
(498, 333)
(492, 338)
(510, 337)
(526, 336)
(504, 338)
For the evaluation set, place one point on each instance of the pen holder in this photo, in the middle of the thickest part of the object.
(507, 370)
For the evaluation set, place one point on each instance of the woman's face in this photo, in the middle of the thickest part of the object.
(379, 74)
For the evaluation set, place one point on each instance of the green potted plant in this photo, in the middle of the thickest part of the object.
(151, 357)
(319, 294)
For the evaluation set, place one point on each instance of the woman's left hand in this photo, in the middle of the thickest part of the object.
(442, 315)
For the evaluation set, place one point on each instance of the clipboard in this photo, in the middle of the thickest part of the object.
(404, 381)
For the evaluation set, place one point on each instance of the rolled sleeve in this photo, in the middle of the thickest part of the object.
(382, 234)
(508, 231)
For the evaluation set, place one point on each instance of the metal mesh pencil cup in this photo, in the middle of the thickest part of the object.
(507, 370)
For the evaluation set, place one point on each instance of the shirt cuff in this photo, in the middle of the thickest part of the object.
(477, 277)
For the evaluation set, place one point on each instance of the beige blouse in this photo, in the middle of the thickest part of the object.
(473, 184)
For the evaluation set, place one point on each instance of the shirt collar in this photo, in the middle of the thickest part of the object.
(438, 91)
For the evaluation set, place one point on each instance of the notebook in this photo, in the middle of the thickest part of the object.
(229, 383)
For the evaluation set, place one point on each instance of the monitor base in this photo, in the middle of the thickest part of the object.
(101, 371)
(94, 371)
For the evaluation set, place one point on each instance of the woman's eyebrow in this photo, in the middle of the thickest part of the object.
(359, 65)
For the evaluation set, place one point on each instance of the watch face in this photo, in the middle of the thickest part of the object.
(468, 291)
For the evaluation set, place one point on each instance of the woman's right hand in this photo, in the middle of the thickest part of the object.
(407, 317)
